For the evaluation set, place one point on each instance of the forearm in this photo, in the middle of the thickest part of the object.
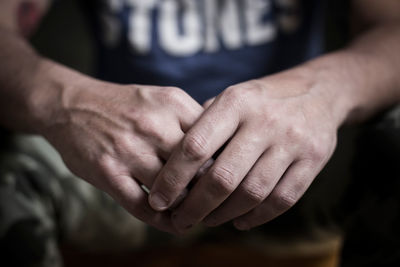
(31, 87)
(362, 78)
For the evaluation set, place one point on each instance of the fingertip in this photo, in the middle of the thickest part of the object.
(241, 225)
(158, 201)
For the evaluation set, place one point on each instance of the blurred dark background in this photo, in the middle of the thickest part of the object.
(64, 36)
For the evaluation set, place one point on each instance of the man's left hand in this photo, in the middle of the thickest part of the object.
(277, 132)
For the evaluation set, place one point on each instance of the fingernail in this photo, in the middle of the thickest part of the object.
(158, 201)
(241, 225)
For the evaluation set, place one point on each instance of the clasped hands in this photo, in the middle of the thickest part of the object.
(273, 135)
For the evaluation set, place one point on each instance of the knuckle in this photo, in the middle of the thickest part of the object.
(233, 90)
(296, 133)
(165, 143)
(123, 144)
(254, 192)
(317, 150)
(235, 93)
(112, 175)
(244, 91)
(140, 92)
(254, 86)
(148, 126)
(106, 165)
(283, 201)
(222, 180)
(194, 147)
(147, 162)
(174, 94)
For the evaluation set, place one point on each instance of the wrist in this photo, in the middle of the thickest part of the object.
(353, 80)
(319, 85)
(337, 78)
(54, 87)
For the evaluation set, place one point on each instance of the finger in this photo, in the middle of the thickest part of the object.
(128, 193)
(190, 112)
(211, 131)
(135, 156)
(287, 192)
(156, 134)
(170, 139)
(145, 167)
(187, 112)
(180, 104)
(255, 187)
(208, 103)
(222, 179)
(203, 169)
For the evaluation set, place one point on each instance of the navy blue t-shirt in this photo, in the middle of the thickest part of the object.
(203, 46)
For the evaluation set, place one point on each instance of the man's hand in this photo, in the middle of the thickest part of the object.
(117, 138)
(278, 133)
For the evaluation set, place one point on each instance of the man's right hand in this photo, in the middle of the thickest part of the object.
(118, 137)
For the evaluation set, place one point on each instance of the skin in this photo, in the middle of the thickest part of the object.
(115, 137)
(279, 130)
